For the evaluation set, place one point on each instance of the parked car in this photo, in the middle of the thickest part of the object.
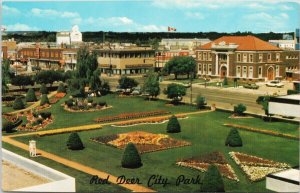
(136, 91)
(118, 89)
(275, 83)
(251, 86)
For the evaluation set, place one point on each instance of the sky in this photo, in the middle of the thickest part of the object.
(152, 15)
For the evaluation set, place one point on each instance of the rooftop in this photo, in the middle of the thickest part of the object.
(247, 43)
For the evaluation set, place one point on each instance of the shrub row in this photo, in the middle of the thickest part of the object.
(130, 116)
(289, 92)
(268, 132)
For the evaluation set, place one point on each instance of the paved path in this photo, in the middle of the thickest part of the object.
(78, 166)
(37, 103)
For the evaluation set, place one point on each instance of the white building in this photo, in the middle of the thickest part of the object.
(288, 106)
(182, 43)
(66, 37)
(284, 181)
(284, 44)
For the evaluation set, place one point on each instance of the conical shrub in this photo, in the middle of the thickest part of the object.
(234, 139)
(212, 181)
(61, 88)
(131, 157)
(30, 96)
(74, 142)
(18, 104)
(173, 125)
(44, 100)
(43, 89)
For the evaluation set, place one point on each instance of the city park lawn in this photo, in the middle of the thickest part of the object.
(206, 133)
(63, 118)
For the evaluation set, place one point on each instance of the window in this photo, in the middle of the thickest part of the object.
(209, 69)
(244, 71)
(244, 57)
(250, 72)
(238, 71)
(209, 56)
(277, 57)
(204, 56)
(251, 58)
(200, 55)
(260, 72)
(204, 68)
(199, 68)
(238, 57)
(277, 70)
(260, 58)
(269, 56)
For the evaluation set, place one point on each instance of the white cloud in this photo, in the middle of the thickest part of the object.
(20, 27)
(257, 6)
(185, 4)
(150, 28)
(284, 15)
(53, 13)
(76, 21)
(286, 7)
(111, 21)
(195, 15)
(9, 10)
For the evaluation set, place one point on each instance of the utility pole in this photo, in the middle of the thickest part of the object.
(191, 81)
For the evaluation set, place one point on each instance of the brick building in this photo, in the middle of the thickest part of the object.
(3, 52)
(245, 57)
(162, 57)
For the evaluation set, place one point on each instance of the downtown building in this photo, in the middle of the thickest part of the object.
(244, 57)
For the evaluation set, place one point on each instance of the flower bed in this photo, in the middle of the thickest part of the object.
(268, 132)
(256, 168)
(36, 121)
(202, 163)
(57, 97)
(43, 107)
(156, 120)
(131, 116)
(145, 142)
(235, 116)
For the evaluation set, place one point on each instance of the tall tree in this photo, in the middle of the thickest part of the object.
(180, 65)
(175, 92)
(22, 81)
(48, 77)
(86, 63)
(5, 76)
(151, 85)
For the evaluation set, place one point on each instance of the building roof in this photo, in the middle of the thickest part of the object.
(249, 43)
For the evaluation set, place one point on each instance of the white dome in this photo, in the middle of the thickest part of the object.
(75, 28)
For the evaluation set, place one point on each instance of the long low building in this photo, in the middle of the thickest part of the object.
(288, 106)
(136, 60)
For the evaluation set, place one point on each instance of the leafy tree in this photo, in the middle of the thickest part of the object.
(240, 109)
(22, 81)
(74, 142)
(201, 102)
(68, 75)
(30, 96)
(43, 89)
(18, 104)
(175, 92)
(61, 88)
(125, 82)
(48, 77)
(151, 85)
(212, 181)
(234, 139)
(131, 157)
(180, 65)
(86, 63)
(173, 125)
(105, 88)
(76, 87)
(6, 75)
(94, 81)
(44, 100)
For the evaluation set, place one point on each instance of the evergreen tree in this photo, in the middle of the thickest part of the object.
(61, 88)
(234, 139)
(173, 125)
(212, 181)
(74, 142)
(43, 89)
(44, 100)
(201, 102)
(18, 104)
(131, 157)
(30, 96)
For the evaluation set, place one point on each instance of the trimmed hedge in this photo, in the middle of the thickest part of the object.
(201, 102)
(74, 142)
(131, 157)
(212, 181)
(30, 96)
(44, 100)
(234, 139)
(18, 104)
(240, 109)
(43, 89)
(289, 92)
(173, 125)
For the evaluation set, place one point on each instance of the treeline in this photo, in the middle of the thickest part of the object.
(134, 37)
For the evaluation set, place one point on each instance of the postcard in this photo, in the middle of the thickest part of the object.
(150, 96)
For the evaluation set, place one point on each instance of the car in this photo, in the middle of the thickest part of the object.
(275, 83)
(136, 91)
(118, 89)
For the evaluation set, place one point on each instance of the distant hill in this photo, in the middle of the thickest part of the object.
(134, 37)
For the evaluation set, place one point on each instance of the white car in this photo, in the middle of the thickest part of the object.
(275, 83)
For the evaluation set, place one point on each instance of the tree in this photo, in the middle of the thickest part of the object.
(30, 96)
(180, 65)
(105, 88)
(212, 181)
(240, 109)
(43, 89)
(74, 142)
(173, 125)
(175, 92)
(6, 75)
(234, 139)
(22, 81)
(61, 88)
(48, 77)
(86, 63)
(94, 81)
(126, 83)
(200, 102)
(131, 157)
(151, 85)
(44, 100)
(18, 104)
(225, 81)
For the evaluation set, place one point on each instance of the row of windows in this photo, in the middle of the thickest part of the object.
(291, 57)
(206, 56)
(42, 54)
(205, 69)
(127, 55)
(244, 72)
(249, 57)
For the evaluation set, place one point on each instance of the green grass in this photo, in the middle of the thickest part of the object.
(64, 118)
(206, 133)
(82, 179)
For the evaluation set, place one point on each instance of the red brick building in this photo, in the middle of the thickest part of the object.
(245, 57)
(4, 52)
(161, 58)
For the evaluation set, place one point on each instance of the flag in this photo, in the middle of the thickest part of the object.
(171, 29)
